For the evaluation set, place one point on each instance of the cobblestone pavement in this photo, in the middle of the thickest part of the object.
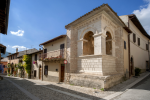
(9, 92)
(45, 90)
(41, 92)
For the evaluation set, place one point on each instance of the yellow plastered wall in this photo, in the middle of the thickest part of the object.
(126, 55)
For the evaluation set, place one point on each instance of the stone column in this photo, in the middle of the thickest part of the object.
(113, 48)
(100, 44)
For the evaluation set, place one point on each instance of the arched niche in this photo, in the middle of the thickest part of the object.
(88, 43)
(108, 43)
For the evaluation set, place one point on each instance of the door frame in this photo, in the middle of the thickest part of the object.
(60, 73)
(40, 68)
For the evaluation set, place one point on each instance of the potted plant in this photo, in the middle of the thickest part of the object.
(34, 62)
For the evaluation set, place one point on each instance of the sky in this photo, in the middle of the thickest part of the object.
(32, 22)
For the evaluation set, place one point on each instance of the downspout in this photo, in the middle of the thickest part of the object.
(42, 63)
(129, 49)
(148, 55)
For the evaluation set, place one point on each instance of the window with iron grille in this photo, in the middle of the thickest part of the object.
(34, 73)
(46, 70)
(134, 37)
(124, 44)
(139, 41)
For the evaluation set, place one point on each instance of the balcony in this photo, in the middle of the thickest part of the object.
(56, 55)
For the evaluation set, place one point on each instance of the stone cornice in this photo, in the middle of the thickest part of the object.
(82, 40)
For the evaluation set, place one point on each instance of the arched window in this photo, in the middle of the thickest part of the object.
(108, 44)
(88, 44)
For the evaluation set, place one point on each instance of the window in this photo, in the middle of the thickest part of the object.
(124, 44)
(139, 41)
(35, 57)
(146, 46)
(134, 37)
(13, 56)
(34, 73)
(46, 70)
(45, 50)
(3, 66)
(62, 46)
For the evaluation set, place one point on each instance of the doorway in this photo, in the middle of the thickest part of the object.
(40, 72)
(132, 65)
(62, 73)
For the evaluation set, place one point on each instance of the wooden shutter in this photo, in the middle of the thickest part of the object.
(134, 37)
(139, 41)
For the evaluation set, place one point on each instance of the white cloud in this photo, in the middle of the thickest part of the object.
(18, 33)
(19, 47)
(143, 15)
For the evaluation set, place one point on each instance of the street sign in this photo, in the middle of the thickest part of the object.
(65, 61)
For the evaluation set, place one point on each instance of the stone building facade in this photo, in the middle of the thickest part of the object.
(95, 47)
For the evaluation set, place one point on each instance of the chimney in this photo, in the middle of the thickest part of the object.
(39, 49)
(16, 50)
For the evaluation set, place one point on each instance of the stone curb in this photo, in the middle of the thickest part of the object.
(125, 89)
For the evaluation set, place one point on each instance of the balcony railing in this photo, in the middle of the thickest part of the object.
(53, 55)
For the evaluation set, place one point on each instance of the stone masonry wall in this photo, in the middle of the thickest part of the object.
(90, 64)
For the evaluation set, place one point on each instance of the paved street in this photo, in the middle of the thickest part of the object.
(22, 89)
(140, 91)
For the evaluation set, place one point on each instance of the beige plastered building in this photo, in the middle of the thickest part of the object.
(52, 58)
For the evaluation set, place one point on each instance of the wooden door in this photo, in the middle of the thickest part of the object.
(62, 73)
(40, 73)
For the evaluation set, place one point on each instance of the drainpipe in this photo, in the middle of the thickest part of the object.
(42, 61)
(129, 49)
(148, 55)
(0, 55)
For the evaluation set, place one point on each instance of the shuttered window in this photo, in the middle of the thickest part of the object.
(146, 46)
(46, 70)
(124, 44)
(139, 41)
(134, 37)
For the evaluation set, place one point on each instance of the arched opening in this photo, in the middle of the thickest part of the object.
(88, 44)
(108, 44)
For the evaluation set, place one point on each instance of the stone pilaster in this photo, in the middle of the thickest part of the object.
(99, 44)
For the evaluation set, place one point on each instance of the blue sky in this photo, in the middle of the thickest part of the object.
(32, 22)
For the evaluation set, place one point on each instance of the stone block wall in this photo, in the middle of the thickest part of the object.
(108, 65)
(90, 64)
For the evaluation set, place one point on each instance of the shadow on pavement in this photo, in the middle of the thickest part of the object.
(48, 94)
